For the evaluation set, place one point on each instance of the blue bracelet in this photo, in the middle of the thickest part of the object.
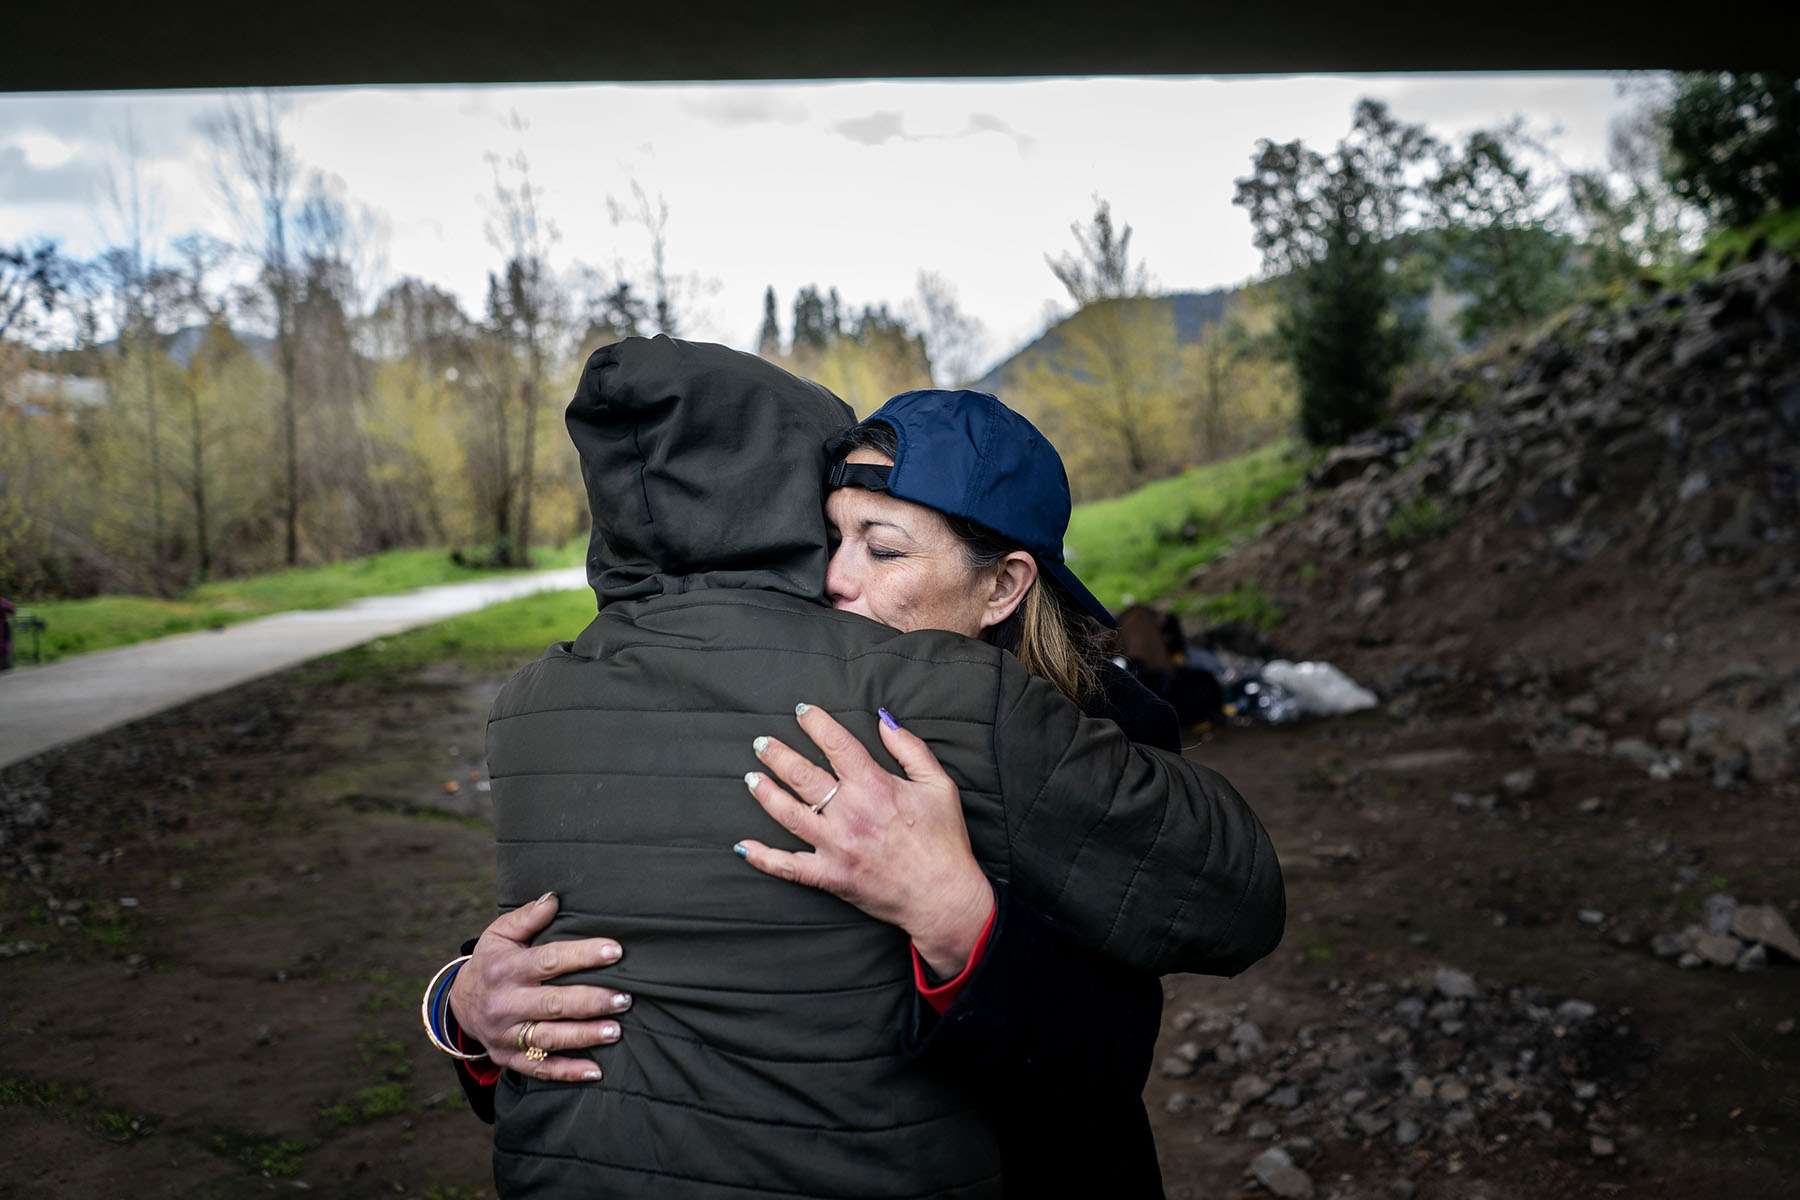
(435, 1007)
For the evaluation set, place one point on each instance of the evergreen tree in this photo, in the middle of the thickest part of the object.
(1333, 227)
(811, 332)
(768, 342)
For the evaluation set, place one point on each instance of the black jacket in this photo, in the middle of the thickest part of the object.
(760, 1057)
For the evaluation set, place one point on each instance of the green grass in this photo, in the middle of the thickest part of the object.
(507, 634)
(1421, 518)
(78, 626)
(1142, 547)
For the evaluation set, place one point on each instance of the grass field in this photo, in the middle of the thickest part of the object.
(510, 633)
(78, 626)
(1141, 547)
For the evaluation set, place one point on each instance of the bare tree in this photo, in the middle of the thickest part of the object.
(1103, 269)
(524, 304)
(953, 339)
(672, 296)
(256, 171)
(131, 267)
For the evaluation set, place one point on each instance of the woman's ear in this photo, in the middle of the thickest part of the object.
(1012, 578)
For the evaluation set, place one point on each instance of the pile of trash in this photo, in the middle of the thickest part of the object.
(1229, 673)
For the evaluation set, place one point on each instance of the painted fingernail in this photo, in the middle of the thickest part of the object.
(592, 1075)
(753, 779)
(609, 1032)
(609, 954)
(741, 850)
(547, 896)
(887, 718)
(622, 1000)
(759, 745)
(800, 709)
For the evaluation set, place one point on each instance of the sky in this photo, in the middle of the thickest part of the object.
(855, 185)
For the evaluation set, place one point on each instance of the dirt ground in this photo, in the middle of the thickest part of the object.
(219, 921)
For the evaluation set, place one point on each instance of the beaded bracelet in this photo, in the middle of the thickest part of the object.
(435, 1006)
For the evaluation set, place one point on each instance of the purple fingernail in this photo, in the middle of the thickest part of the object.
(887, 718)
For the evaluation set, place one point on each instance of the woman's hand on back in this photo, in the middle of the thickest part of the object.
(894, 846)
(506, 983)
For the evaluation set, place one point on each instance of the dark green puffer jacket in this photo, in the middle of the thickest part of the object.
(761, 1056)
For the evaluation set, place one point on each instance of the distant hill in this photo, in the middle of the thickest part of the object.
(1192, 311)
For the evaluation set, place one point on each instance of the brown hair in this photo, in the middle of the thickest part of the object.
(1048, 633)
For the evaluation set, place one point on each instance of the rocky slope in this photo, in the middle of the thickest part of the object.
(1594, 531)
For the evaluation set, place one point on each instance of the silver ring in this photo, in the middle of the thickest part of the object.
(820, 806)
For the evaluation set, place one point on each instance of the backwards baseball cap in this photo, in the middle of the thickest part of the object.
(968, 455)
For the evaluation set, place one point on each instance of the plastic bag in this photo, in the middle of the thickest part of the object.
(1320, 688)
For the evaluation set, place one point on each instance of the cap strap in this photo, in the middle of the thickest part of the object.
(862, 475)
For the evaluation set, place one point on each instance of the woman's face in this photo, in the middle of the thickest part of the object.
(897, 562)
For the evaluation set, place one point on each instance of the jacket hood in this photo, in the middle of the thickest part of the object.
(704, 468)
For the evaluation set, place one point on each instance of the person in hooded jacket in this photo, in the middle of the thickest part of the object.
(757, 1059)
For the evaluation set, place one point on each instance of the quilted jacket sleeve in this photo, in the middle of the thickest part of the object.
(1154, 860)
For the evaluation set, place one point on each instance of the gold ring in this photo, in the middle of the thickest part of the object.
(523, 1041)
(537, 1054)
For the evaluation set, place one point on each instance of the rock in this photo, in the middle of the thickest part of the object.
(1522, 784)
(1452, 1091)
(1671, 731)
(1570, 1012)
(1372, 1124)
(1403, 1189)
(1784, 1026)
(1636, 751)
(1593, 804)
(1718, 949)
(1302, 1150)
(1421, 1089)
(1247, 1039)
(1754, 958)
(1175, 1067)
(1370, 601)
(1764, 923)
(1590, 916)
(1689, 960)
(1716, 912)
(1457, 1120)
(1277, 1172)
(1261, 1131)
(1407, 1132)
(1289, 1096)
(1464, 802)
(1601, 1147)
(1178, 1103)
(1453, 984)
(1248, 1089)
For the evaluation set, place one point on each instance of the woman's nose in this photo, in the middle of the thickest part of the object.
(840, 583)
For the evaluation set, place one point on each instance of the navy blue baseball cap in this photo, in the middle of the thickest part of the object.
(968, 455)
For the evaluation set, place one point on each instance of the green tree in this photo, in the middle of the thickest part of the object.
(1498, 247)
(1629, 215)
(1331, 227)
(812, 328)
(1732, 144)
(768, 342)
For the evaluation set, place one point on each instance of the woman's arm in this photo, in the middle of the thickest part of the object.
(1039, 1009)
(895, 846)
(508, 981)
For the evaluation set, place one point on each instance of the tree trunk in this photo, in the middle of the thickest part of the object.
(527, 397)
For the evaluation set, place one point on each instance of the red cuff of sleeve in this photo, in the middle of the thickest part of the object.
(944, 995)
(487, 1075)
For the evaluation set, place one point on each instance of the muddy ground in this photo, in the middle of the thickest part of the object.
(218, 922)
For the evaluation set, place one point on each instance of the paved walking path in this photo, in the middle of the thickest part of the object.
(45, 707)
